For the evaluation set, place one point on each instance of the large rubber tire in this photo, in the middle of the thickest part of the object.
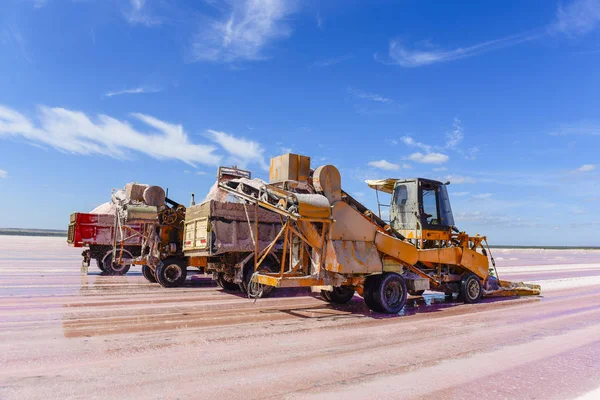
(114, 269)
(148, 274)
(225, 284)
(470, 288)
(390, 293)
(368, 286)
(171, 272)
(100, 265)
(339, 295)
(416, 292)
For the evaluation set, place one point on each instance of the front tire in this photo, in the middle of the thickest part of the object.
(171, 272)
(100, 265)
(470, 289)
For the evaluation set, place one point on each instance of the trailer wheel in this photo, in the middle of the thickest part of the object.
(416, 292)
(148, 274)
(225, 284)
(100, 265)
(112, 268)
(470, 288)
(268, 265)
(171, 272)
(390, 293)
(339, 295)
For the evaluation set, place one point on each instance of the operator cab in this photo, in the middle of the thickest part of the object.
(420, 204)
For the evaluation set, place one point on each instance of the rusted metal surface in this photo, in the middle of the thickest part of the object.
(313, 205)
(289, 167)
(448, 255)
(214, 228)
(327, 180)
(352, 257)
(350, 224)
(397, 248)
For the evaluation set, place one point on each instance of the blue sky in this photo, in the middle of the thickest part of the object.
(500, 98)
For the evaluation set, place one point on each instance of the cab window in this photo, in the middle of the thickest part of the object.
(430, 207)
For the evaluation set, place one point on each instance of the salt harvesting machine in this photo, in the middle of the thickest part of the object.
(334, 244)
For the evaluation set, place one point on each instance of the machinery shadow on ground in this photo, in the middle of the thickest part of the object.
(429, 303)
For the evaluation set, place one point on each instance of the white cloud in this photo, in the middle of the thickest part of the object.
(472, 153)
(39, 3)
(482, 196)
(582, 128)
(458, 179)
(429, 158)
(319, 21)
(14, 41)
(577, 210)
(369, 96)
(138, 90)
(332, 61)
(577, 18)
(242, 151)
(242, 34)
(137, 13)
(409, 141)
(587, 168)
(489, 220)
(385, 165)
(405, 57)
(440, 169)
(200, 173)
(454, 137)
(460, 194)
(3, 174)
(75, 132)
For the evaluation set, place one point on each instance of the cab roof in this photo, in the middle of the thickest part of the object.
(387, 185)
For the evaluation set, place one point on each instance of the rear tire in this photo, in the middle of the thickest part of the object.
(112, 268)
(171, 272)
(370, 283)
(390, 293)
(266, 266)
(225, 284)
(148, 274)
(339, 295)
(470, 288)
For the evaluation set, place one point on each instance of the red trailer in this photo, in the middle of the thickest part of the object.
(96, 233)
